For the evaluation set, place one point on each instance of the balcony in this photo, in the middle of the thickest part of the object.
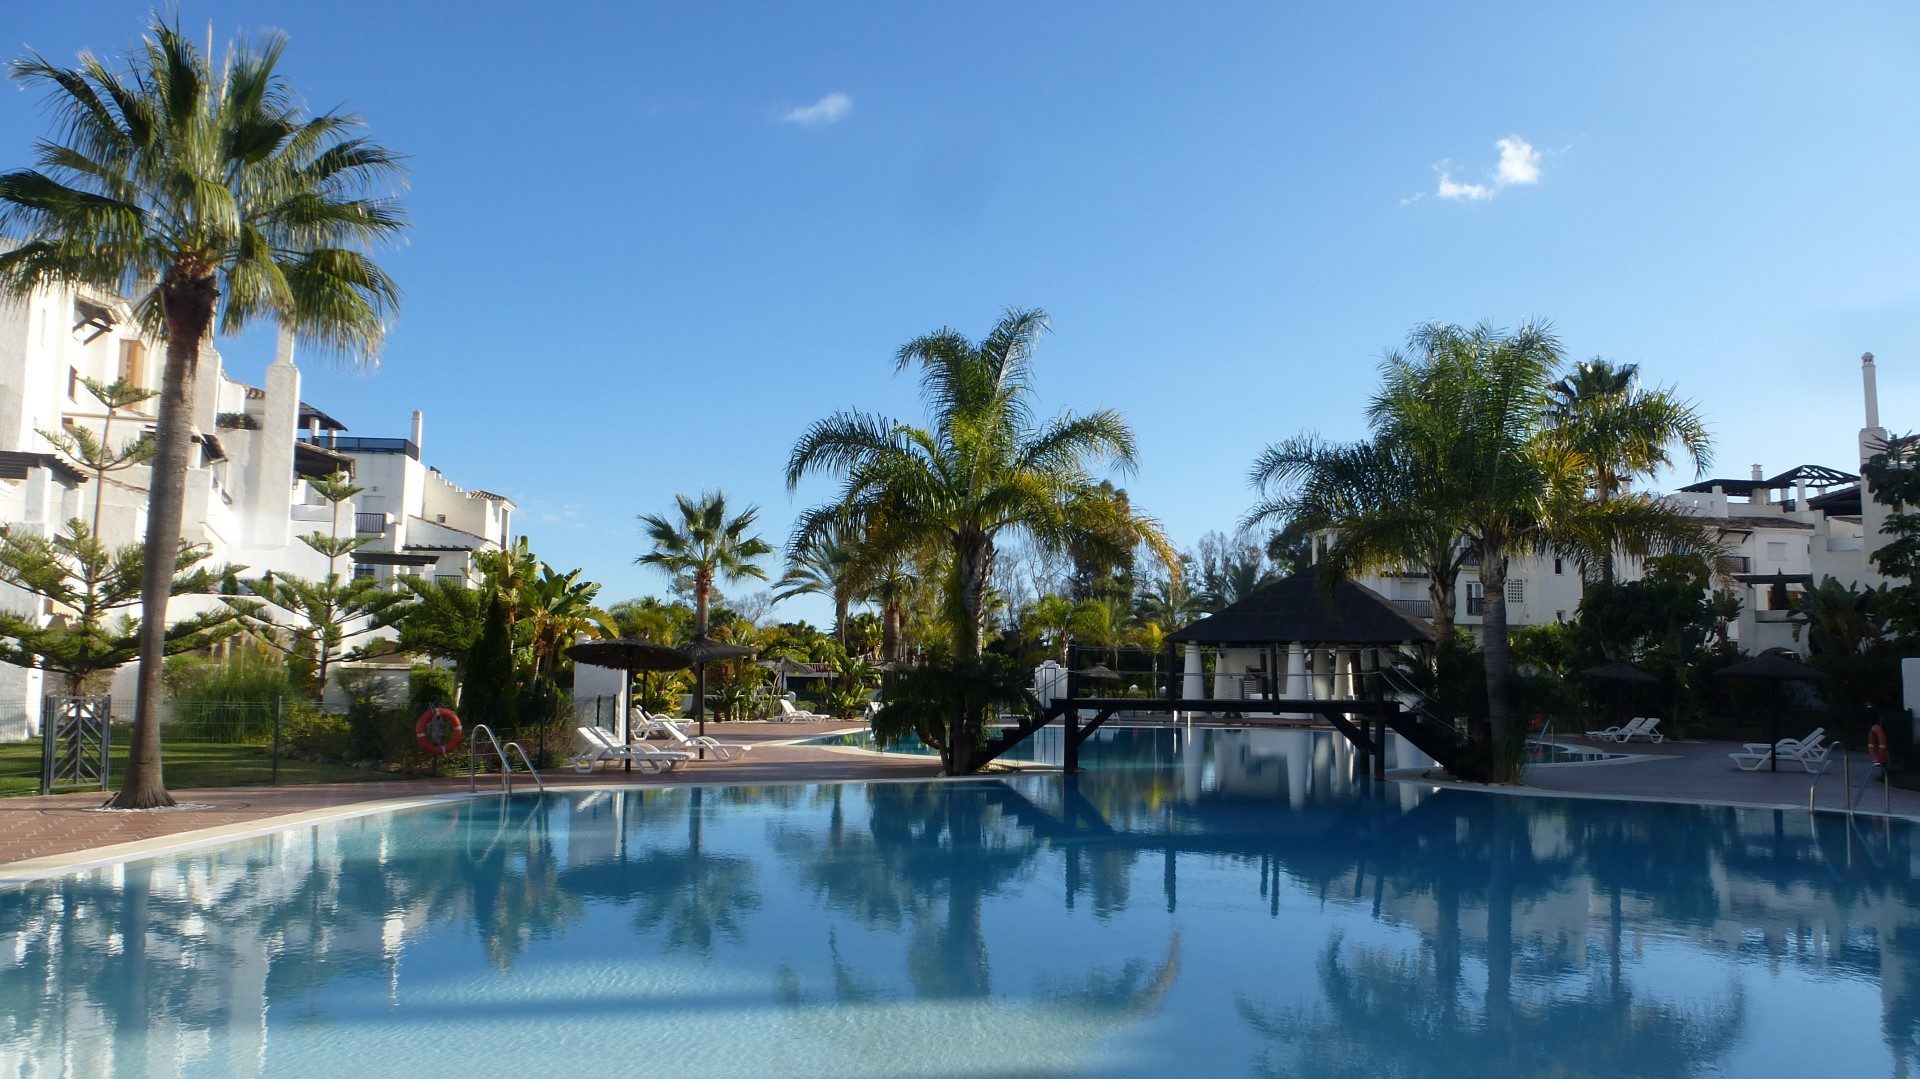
(367, 445)
(369, 524)
(1420, 608)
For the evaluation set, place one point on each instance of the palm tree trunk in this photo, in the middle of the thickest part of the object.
(1493, 576)
(840, 619)
(890, 632)
(702, 589)
(189, 311)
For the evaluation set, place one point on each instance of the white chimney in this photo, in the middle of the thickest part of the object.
(1757, 474)
(419, 424)
(1870, 383)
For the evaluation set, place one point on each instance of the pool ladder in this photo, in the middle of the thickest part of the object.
(506, 762)
(1847, 790)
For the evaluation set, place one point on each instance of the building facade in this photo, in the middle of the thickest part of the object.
(248, 499)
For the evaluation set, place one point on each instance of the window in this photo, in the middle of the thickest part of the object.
(362, 570)
(1516, 592)
(133, 361)
(1559, 567)
(1476, 598)
(1777, 550)
(1559, 616)
(73, 383)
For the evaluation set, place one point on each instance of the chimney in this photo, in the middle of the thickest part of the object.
(1870, 384)
(1757, 474)
(283, 351)
(1760, 496)
(419, 423)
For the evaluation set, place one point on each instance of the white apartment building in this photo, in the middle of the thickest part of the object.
(248, 499)
(1786, 532)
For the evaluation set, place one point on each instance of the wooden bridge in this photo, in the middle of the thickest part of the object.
(1363, 723)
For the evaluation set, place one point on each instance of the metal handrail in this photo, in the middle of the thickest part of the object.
(506, 764)
(1846, 768)
(524, 759)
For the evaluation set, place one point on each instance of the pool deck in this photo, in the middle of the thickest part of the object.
(35, 829)
(1701, 772)
(40, 833)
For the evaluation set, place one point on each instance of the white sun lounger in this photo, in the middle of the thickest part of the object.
(1622, 732)
(694, 743)
(1812, 753)
(603, 746)
(785, 712)
(1649, 729)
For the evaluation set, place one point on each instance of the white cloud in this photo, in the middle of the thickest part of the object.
(1519, 161)
(1451, 188)
(1519, 164)
(828, 110)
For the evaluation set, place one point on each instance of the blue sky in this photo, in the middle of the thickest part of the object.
(653, 242)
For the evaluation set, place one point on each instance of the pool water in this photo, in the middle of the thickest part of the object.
(1258, 909)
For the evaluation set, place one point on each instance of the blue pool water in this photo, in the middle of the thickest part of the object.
(1251, 909)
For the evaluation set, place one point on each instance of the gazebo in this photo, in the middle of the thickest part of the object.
(1294, 640)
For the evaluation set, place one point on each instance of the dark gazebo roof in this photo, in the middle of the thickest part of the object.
(1812, 475)
(1298, 609)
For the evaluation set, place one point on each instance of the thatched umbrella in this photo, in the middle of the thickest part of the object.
(1100, 672)
(1773, 667)
(782, 666)
(629, 654)
(701, 651)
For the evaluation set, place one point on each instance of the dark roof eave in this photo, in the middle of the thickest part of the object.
(1296, 610)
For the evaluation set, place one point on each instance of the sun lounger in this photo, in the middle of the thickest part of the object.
(697, 743)
(603, 746)
(1622, 732)
(1649, 729)
(1811, 753)
(785, 712)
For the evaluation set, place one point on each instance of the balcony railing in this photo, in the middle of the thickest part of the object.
(1422, 608)
(369, 524)
(368, 445)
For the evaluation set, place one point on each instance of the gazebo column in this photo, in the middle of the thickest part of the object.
(1295, 687)
(1349, 674)
(1224, 685)
(1192, 680)
(1323, 674)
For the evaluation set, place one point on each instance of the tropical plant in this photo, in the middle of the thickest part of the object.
(1166, 602)
(1893, 476)
(980, 470)
(99, 456)
(1618, 431)
(826, 563)
(705, 545)
(320, 617)
(222, 202)
(442, 621)
(1460, 470)
(938, 703)
(96, 587)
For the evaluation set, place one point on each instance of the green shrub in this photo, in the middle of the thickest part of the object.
(428, 686)
(245, 678)
(317, 735)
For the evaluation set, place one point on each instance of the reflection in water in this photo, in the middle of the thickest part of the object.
(1242, 902)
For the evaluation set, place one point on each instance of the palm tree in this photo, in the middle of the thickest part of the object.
(216, 198)
(1472, 405)
(824, 563)
(1167, 603)
(1619, 431)
(706, 545)
(981, 469)
(1382, 497)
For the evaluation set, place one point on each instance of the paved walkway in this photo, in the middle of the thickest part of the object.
(1701, 771)
(59, 824)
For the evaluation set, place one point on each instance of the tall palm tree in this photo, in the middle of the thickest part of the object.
(1619, 431)
(825, 563)
(216, 200)
(982, 468)
(706, 545)
(1472, 405)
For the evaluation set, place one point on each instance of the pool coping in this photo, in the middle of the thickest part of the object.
(29, 870)
(1410, 776)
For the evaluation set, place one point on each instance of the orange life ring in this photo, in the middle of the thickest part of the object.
(438, 731)
(1877, 744)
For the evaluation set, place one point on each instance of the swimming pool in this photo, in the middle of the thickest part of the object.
(1161, 745)
(1258, 909)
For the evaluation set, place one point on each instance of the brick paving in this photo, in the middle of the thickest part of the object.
(41, 827)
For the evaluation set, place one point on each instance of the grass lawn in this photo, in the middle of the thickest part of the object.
(188, 765)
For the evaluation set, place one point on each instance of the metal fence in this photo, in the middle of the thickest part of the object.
(84, 742)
